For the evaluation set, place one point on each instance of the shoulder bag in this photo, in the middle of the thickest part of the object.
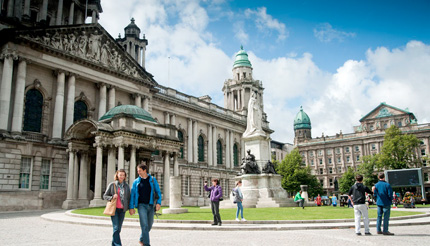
(111, 205)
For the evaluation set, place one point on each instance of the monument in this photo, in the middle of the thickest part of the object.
(261, 185)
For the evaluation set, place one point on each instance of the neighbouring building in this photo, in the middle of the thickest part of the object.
(330, 156)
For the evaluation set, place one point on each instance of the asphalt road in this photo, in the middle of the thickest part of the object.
(27, 228)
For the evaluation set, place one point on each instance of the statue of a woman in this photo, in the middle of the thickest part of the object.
(254, 119)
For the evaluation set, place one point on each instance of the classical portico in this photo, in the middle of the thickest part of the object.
(125, 134)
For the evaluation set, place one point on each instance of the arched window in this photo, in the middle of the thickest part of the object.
(235, 155)
(181, 138)
(201, 150)
(80, 111)
(33, 111)
(219, 152)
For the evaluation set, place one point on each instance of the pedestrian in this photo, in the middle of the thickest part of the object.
(238, 199)
(299, 199)
(334, 200)
(412, 201)
(119, 190)
(145, 193)
(395, 200)
(215, 195)
(384, 195)
(358, 200)
(318, 200)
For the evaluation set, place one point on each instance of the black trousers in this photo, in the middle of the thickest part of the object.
(215, 212)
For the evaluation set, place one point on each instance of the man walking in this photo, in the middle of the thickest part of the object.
(143, 193)
(384, 195)
(358, 200)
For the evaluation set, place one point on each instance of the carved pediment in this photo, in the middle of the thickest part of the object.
(90, 43)
(384, 110)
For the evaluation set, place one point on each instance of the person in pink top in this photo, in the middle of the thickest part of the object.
(119, 190)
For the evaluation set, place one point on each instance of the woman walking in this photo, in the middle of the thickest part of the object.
(238, 199)
(216, 194)
(120, 191)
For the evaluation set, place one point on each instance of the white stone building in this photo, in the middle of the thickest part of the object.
(76, 104)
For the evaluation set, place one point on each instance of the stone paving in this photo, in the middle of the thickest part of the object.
(29, 228)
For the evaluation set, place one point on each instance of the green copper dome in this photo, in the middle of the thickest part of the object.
(302, 120)
(132, 110)
(242, 59)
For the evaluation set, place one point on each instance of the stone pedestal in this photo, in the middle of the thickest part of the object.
(260, 148)
(305, 195)
(97, 203)
(261, 191)
(72, 204)
(175, 201)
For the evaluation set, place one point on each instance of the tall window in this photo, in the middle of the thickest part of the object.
(187, 185)
(235, 155)
(181, 150)
(33, 111)
(45, 172)
(25, 173)
(219, 152)
(201, 150)
(80, 111)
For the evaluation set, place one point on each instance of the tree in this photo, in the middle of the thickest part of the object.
(347, 180)
(399, 150)
(367, 168)
(294, 175)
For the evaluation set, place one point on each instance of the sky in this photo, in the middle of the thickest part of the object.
(337, 59)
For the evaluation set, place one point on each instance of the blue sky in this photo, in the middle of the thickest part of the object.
(339, 59)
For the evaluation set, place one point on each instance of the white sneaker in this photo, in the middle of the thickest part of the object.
(237, 219)
(243, 219)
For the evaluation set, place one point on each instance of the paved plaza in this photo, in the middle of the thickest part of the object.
(29, 228)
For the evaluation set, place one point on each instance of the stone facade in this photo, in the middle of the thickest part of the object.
(78, 74)
(330, 156)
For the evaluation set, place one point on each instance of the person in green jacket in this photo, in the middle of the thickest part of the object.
(299, 199)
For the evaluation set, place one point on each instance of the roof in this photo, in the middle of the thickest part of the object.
(131, 110)
(242, 59)
(302, 120)
(384, 112)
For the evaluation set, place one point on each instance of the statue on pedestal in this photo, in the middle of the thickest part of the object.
(249, 165)
(254, 117)
(269, 168)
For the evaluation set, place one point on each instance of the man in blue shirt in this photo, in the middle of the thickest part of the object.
(384, 195)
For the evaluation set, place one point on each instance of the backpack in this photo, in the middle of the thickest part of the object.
(233, 192)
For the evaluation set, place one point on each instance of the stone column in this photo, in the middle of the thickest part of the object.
(10, 6)
(175, 164)
(231, 150)
(166, 118)
(111, 98)
(102, 100)
(70, 105)
(70, 174)
(214, 149)
(59, 18)
(132, 173)
(5, 91)
(26, 9)
(71, 13)
(138, 100)
(111, 165)
(94, 17)
(166, 177)
(19, 97)
(195, 148)
(146, 104)
(18, 9)
(139, 56)
(44, 11)
(173, 119)
(175, 202)
(227, 149)
(76, 178)
(83, 178)
(190, 141)
(210, 144)
(57, 129)
(120, 156)
(97, 201)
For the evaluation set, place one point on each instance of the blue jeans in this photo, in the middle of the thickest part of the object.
(117, 220)
(239, 209)
(383, 210)
(146, 219)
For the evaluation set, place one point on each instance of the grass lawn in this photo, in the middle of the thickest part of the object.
(286, 213)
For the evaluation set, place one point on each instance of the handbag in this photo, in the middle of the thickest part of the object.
(111, 205)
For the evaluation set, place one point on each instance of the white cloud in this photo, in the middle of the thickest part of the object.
(241, 34)
(265, 22)
(325, 33)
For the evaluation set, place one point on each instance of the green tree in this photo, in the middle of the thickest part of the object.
(370, 164)
(347, 180)
(294, 175)
(399, 150)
